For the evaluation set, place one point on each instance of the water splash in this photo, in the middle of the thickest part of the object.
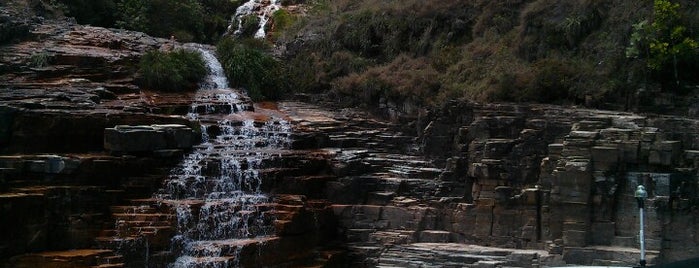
(217, 189)
(264, 10)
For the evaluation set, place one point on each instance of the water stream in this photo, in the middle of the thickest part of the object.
(216, 189)
(264, 10)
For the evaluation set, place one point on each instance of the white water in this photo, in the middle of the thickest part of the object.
(264, 10)
(217, 187)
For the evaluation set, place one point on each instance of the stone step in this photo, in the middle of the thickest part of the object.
(70, 258)
(603, 255)
(128, 229)
(355, 235)
(116, 242)
(227, 248)
(132, 209)
(109, 265)
(625, 241)
(456, 255)
(392, 237)
(189, 261)
(148, 217)
(435, 236)
(114, 259)
(380, 198)
(146, 224)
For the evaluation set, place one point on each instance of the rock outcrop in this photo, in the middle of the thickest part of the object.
(563, 179)
(134, 139)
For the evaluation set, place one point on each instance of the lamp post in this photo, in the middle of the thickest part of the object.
(640, 196)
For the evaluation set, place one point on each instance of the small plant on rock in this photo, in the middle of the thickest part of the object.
(39, 60)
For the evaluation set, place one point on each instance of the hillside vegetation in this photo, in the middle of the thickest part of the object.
(587, 52)
(410, 53)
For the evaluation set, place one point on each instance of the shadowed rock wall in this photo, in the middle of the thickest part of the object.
(563, 179)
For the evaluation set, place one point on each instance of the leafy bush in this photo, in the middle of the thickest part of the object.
(248, 65)
(172, 71)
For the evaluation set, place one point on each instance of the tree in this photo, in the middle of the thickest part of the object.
(94, 12)
(665, 40)
(133, 15)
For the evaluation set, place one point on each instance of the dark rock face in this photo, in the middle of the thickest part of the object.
(12, 30)
(132, 139)
(554, 178)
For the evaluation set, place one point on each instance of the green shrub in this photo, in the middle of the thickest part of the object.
(281, 21)
(172, 71)
(249, 66)
(40, 59)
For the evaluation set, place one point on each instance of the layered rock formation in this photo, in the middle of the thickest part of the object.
(563, 179)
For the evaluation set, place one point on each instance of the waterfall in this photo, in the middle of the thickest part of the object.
(264, 10)
(216, 189)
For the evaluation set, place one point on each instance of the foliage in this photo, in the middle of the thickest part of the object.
(670, 38)
(172, 71)
(164, 18)
(405, 78)
(133, 15)
(216, 18)
(40, 59)
(545, 29)
(248, 65)
(666, 40)
(187, 20)
(281, 20)
(249, 25)
(360, 35)
(93, 12)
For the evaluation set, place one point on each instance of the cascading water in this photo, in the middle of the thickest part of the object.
(216, 190)
(264, 10)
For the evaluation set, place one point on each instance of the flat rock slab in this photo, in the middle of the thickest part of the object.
(148, 138)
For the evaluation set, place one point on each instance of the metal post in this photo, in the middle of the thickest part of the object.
(641, 195)
(640, 237)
